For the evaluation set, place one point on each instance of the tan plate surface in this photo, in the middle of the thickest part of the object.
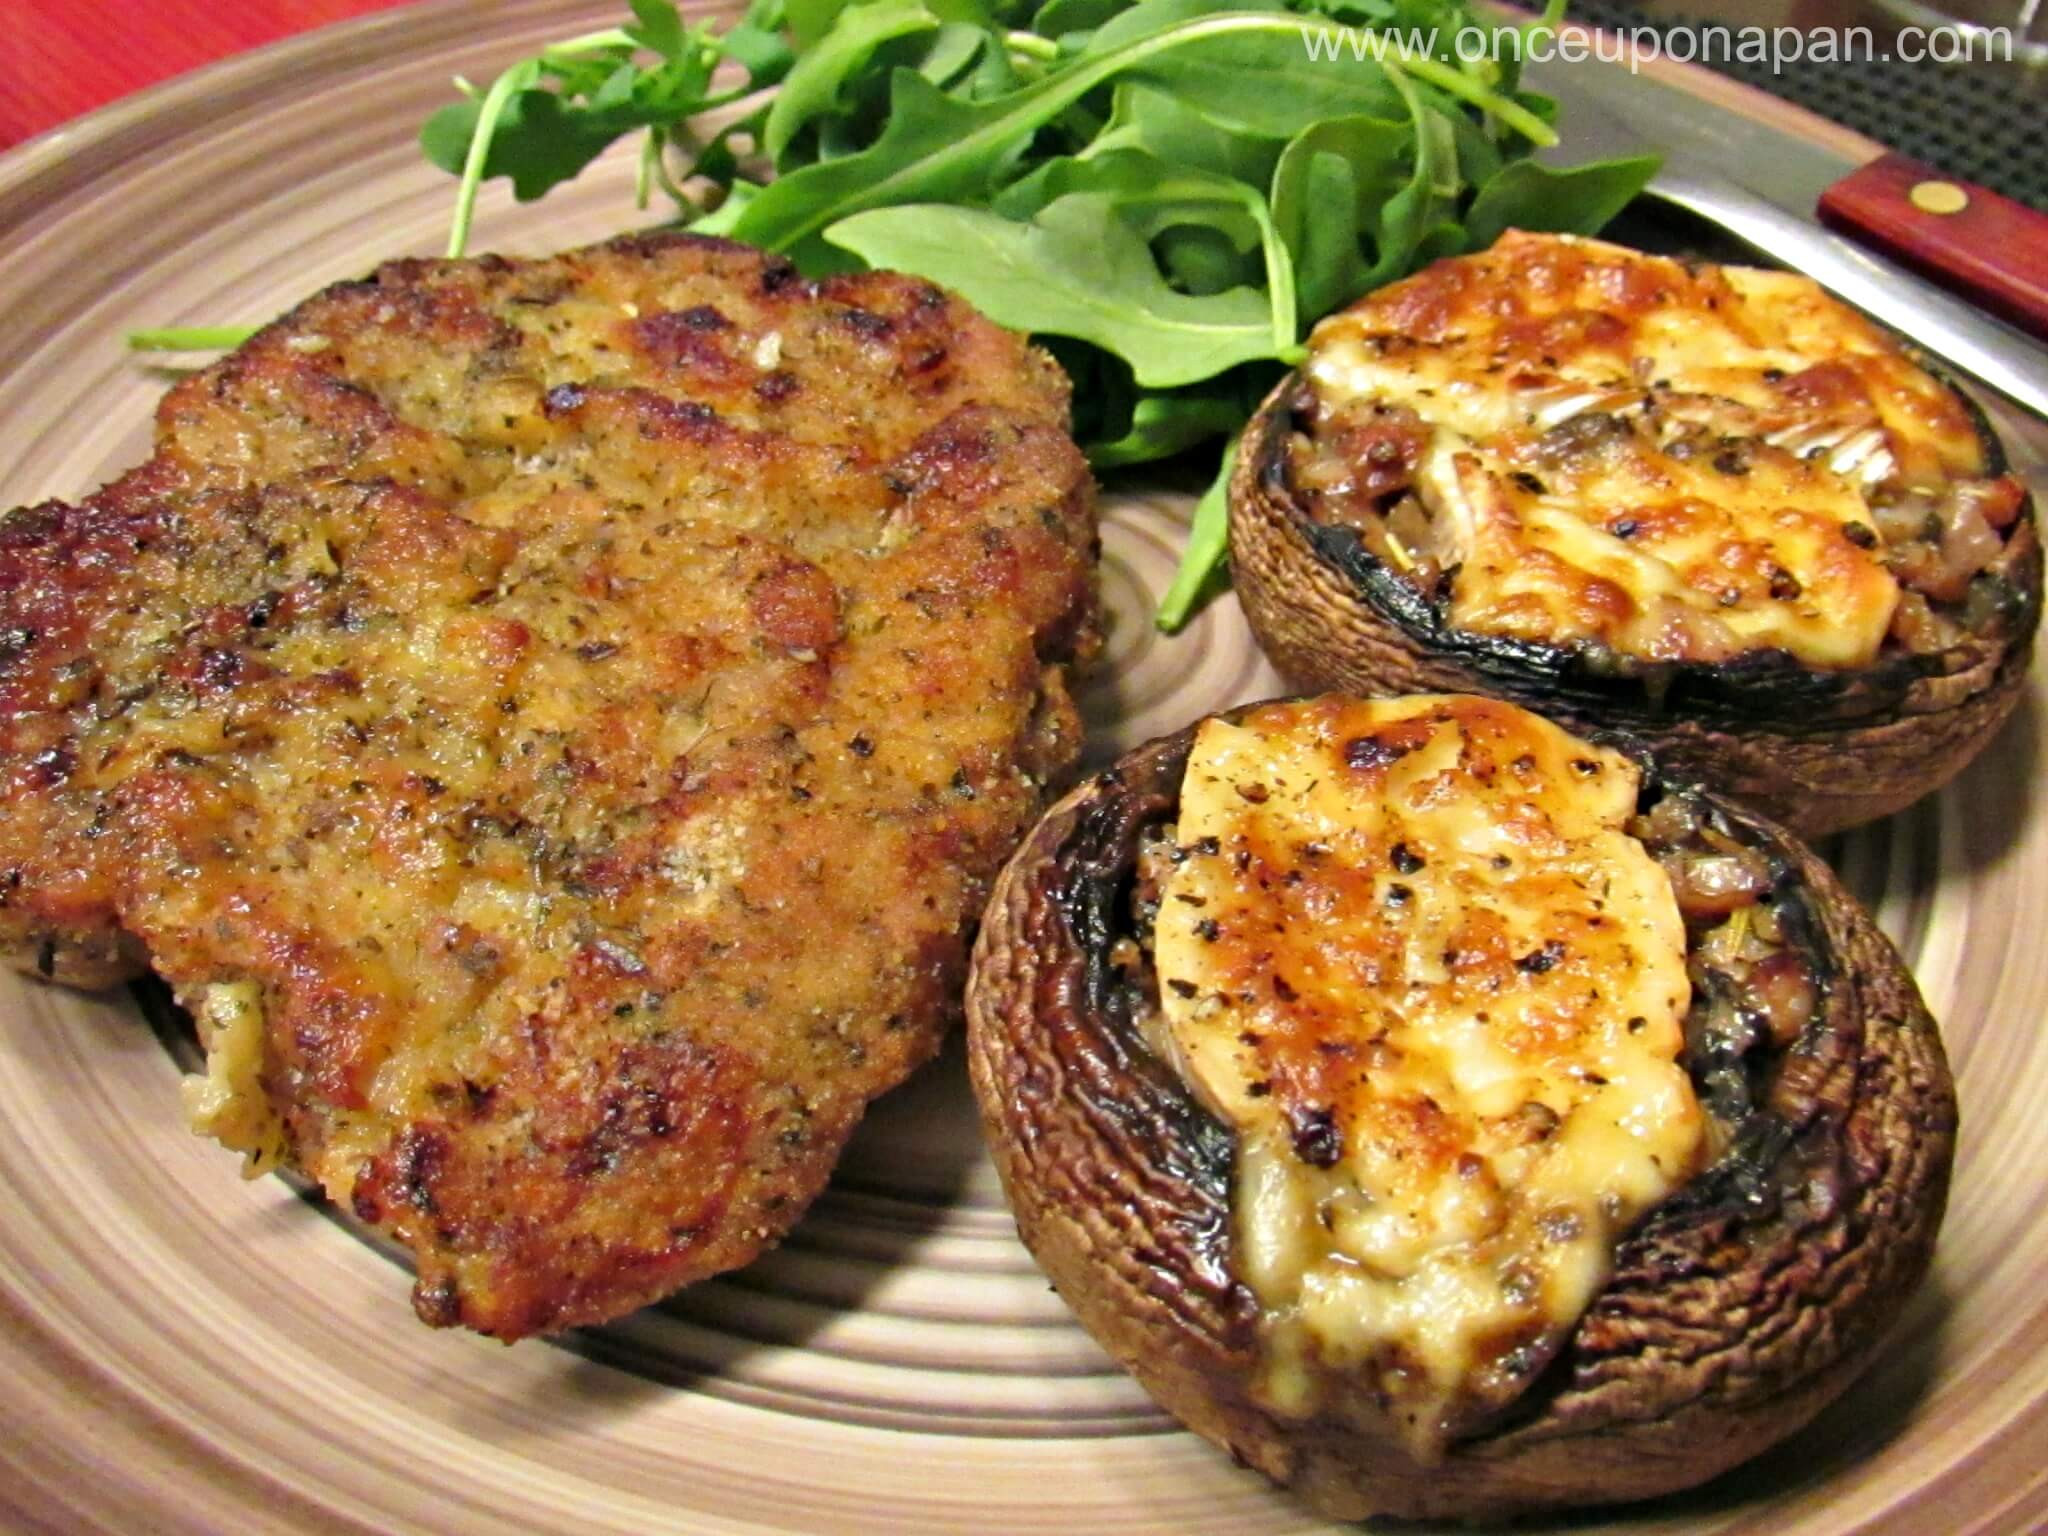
(183, 1351)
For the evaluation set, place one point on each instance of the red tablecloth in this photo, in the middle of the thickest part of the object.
(60, 58)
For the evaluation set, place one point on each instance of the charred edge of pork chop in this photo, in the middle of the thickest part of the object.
(553, 723)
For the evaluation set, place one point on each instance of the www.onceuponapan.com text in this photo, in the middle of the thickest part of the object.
(1774, 48)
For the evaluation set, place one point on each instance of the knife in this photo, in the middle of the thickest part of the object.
(1607, 110)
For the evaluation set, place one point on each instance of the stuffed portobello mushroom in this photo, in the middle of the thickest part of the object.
(1711, 506)
(1447, 1116)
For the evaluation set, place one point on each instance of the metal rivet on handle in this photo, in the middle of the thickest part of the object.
(1939, 197)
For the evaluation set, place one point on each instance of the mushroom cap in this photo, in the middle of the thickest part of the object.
(1816, 750)
(1735, 1311)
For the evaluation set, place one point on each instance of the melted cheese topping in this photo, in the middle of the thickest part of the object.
(1411, 957)
(1672, 462)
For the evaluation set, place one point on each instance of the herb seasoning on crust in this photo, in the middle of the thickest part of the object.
(553, 722)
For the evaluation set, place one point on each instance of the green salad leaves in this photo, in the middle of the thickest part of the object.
(1166, 193)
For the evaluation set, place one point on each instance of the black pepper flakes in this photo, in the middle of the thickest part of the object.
(1317, 1139)
(1544, 958)
(1405, 860)
(1207, 931)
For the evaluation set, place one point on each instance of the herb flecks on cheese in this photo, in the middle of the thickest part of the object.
(1410, 955)
(1623, 451)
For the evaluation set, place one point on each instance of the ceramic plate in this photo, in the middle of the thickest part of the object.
(184, 1351)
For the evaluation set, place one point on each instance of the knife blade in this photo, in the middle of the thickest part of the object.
(1710, 152)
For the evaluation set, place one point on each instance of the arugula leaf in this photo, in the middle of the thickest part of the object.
(813, 87)
(1257, 80)
(1062, 19)
(939, 149)
(1162, 423)
(657, 27)
(1330, 184)
(1179, 132)
(810, 20)
(1201, 571)
(190, 338)
(756, 44)
(540, 137)
(1078, 269)
(1577, 200)
(1133, 23)
(1167, 205)
(933, 147)
(1418, 218)
(541, 140)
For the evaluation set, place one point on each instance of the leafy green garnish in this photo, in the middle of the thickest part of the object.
(1166, 193)
(190, 338)
(546, 118)
(1202, 562)
(1086, 263)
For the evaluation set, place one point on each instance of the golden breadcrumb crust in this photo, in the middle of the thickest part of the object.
(580, 703)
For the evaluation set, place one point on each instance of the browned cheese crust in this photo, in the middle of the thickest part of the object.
(586, 700)
(1734, 1312)
(1817, 749)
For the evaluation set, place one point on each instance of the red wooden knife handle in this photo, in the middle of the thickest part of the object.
(1989, 249)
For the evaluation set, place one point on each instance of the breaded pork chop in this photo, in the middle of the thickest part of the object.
(553, 723)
